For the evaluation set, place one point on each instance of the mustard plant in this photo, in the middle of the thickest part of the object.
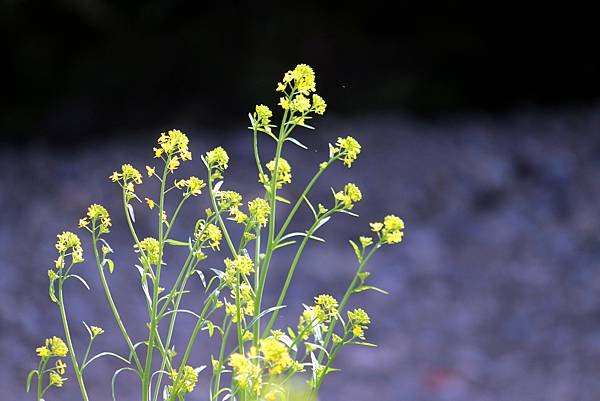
(257, 359)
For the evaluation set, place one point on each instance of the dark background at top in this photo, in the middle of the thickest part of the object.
(76, 70)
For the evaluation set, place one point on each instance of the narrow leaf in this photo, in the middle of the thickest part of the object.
(266, 311)
(114, 377)
(100, 355)
(131, 213)
(80, 279)
(370, 287)
(29, 379)
(357, 251)
(296, 142)
(217, 186)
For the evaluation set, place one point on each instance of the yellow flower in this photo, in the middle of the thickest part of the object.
(304, 78)
(151, 248)
(150, 203)
(366, 241)
(150, 170)
(210, 233)
(54, 347)
(217, 158)
(300, 103)
(393, 227)
(348, 148)
(259, 209)
(228, 200)
(376, 227)
(319, 104)
(184, 382)
(174, 163)
(276, 355)
(83, 222)
(174, 143)
(328, 303)
(359, 321)
(246, 373)
(285, 103)
(56, 380)
(284, 173)
(60, 367)
(43, 351)
(96, 331)
(350, 195)
(97, 212)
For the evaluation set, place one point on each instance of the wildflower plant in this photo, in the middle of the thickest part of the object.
(257, 358)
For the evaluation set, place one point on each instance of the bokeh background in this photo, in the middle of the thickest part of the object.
(480, 127)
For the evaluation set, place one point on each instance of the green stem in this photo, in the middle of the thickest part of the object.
(312, 182)
(112, 305)
(292, 268)
(65, 323)
(41, 368)
(346, 297)
(221, 359)
(153, 308)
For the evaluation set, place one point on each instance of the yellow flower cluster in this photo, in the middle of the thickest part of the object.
(262, 118)
(349, 196)
(284, 173)
(65, 241)
(94, 213)
(391, 230)
(96, 331)
(193, 185)
(229, 200)
(127, 178)
(242, 264)
(347, 149)
(259, 210)
(183, 382)
(151, 251)
(300, 80)
(211, 233)
(359, 321)
(54, 347)
(247, 373)
(246, 302)
(56, 379)
(174, 144)
(328, 304)
(217, 158)
(276, 355)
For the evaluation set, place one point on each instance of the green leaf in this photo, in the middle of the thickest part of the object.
(210, 327)
(30, 378)
(283, 244)
(111, 265)
(366, 344)
(51, 291)
(312, 209)
(80, 279)
(281, 199)
(176, 243)
(100, 355)
(357, 251)
(266, 311)
(370, 287)
(296, 142)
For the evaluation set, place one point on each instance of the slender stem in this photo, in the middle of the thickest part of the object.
(112, 305)
(292, 268)
(301, 199)
(153, 308)
(221, 359)
(41, 368)
(219, 218)
(346, 297)
(63, 316)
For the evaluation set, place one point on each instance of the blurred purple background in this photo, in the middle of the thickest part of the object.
(480, 127)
